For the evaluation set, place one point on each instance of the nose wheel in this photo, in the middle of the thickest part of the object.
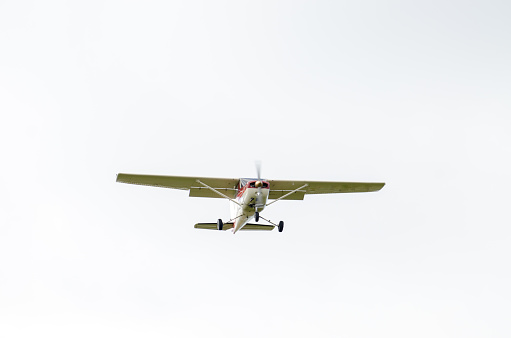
(256, 216)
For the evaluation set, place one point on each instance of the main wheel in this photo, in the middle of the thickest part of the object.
(281, 226)
(219, 224)
(257, 216)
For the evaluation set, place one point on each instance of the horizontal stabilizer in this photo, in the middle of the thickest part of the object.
(213, 226)
(251, 226)
(227, 226)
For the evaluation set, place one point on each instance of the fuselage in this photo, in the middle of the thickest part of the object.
(252, 195)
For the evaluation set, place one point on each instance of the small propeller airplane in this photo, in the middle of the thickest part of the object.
(247, 196)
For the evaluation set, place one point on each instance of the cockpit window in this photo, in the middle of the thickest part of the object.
(251, 183)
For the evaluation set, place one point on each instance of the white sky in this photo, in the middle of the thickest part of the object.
(413, 94)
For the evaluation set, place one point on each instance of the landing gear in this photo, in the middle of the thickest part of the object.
(220, 225)
(257, 216)
(281, 226)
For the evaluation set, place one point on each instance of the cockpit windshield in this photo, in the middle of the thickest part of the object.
(251, 183)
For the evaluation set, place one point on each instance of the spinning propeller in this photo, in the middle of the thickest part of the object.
(259, 185)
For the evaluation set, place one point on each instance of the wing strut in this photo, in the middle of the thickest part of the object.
(218, 192)
(286, 195)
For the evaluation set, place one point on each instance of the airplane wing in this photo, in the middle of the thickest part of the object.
(279, 188)
(226, 186)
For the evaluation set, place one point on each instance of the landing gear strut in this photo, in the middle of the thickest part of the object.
(220, 225)
(280, 226)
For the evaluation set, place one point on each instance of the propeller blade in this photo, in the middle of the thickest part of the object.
(258, 168)
(259, 192)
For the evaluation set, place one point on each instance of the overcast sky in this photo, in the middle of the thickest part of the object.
(414, 94)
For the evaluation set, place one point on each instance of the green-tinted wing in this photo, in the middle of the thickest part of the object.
(321, 187)
(225, 185)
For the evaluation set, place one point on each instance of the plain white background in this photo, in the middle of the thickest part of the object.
(416, 95)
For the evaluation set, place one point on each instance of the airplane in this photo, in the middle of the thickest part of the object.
(247, 196)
